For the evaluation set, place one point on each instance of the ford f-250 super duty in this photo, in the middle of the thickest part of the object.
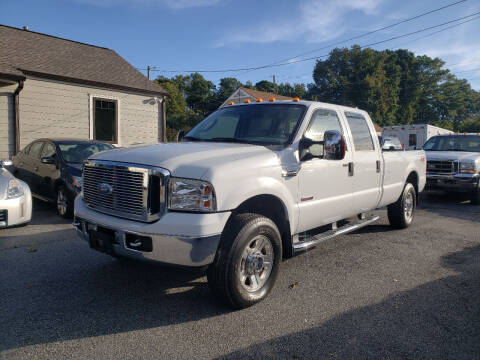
(249, 185)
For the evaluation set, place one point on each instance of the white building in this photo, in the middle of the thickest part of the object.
(53, 87)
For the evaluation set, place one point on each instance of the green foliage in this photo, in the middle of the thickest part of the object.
(471, 125)
(266, 86)
(395, 87)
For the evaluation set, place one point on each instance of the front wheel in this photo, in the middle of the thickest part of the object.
(247, 261)
(402, 212)
(64, 203)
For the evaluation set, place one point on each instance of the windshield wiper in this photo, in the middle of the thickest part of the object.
(192, 138)
(227, 139)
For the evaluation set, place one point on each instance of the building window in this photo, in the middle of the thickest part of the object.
(105, 120)
(412, 140)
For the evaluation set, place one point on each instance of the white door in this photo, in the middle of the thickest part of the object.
(325, 187)
(367, 164)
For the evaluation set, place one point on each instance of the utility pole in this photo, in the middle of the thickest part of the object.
(274, 85)
(148, 72)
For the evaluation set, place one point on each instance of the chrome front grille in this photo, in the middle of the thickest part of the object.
(126, 190)
(442, 167)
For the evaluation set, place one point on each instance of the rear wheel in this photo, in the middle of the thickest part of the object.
(402, 212)
(247, 261)
(64, 203)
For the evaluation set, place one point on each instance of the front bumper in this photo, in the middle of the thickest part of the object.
(457, 182)
(182, 239)
(16, 211)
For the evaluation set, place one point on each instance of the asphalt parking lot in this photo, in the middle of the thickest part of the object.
(375, 293)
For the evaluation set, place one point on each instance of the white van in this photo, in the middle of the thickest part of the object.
(414, 136)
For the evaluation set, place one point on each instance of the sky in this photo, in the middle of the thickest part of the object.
(196, 35)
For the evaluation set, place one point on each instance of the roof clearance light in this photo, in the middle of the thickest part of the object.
(247, 101)
(259, 99)
(231, 102)
(296, 98)
(272, 99)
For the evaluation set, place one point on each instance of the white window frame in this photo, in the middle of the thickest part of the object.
(91, 115)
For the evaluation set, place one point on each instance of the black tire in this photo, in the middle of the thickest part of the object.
(229, 275)
(64, 202)
(475, 200)
(402, 212)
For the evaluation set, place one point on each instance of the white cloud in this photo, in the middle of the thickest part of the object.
(172, 4)
(314, 21)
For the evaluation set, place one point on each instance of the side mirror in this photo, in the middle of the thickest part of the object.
(304, 147)
(334, 146)
(48, 160)
(6, 162)
(180, 135)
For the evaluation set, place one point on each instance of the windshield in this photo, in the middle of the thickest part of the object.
(76, 153)
(469, 143)
(263, 124)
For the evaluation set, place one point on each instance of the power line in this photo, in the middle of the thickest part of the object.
(368, 33)
(318, 57)
(419, 38)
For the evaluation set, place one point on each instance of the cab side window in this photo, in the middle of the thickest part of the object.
(35, 149)
(48, 150)
(362, 138)
(322, 120)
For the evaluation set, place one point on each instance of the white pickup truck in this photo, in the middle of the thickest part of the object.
(251, 184)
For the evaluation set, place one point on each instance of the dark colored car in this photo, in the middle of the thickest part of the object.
(53, 169)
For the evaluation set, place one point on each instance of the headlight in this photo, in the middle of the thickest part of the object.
(14, 189)
(468, 167)
(77, 181)
(191, 195)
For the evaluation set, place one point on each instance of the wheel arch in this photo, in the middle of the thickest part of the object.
(414, 180)
(274, 208)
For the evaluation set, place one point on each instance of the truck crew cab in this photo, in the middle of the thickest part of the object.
(251, 184)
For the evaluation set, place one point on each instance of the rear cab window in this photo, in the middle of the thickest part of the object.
(361, 134)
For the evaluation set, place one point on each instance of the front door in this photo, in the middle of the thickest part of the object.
(325, 186)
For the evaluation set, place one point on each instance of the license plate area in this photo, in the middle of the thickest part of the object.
(101, 239)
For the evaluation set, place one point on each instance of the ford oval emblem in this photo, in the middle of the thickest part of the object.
(104, 188)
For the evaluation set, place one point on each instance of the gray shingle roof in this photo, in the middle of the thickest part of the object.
(24, 52)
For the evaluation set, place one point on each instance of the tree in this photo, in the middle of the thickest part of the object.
(227, 87)
(266, 86)
(395, 87)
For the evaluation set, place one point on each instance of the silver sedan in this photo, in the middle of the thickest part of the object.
(15, 199)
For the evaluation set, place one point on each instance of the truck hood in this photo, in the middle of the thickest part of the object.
(193, 159)
(453, 155)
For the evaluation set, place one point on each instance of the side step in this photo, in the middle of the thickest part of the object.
(307, 242)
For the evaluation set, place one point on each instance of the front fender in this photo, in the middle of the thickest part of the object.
(231, 194)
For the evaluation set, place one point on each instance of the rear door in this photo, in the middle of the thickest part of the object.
(47, 173)
(367, 159)
(19, 164)
(31, 165)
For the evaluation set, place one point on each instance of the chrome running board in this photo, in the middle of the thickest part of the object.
(308, 241)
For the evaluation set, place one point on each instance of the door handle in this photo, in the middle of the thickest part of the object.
(36, 168)
(351, 169)
(378, 166)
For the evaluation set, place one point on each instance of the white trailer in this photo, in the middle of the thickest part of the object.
(413, 136)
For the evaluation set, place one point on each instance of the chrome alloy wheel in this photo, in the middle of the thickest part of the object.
(256, 263)
(61, 202)
(409, 205)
